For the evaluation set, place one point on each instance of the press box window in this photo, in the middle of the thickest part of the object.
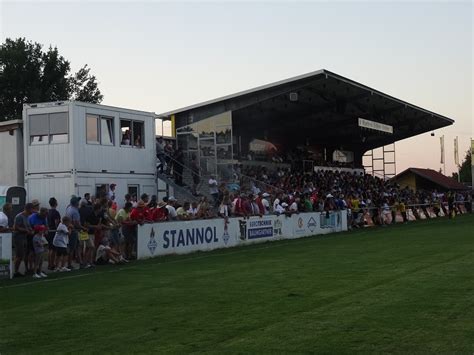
(100, 130)
(131, 133)
(49, 128)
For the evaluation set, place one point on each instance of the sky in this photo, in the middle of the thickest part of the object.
(158, 56)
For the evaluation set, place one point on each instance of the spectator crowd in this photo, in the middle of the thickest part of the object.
(99, 230)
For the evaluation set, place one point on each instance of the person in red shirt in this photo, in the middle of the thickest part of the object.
(258, 200)
(139, 213)
(159, 213)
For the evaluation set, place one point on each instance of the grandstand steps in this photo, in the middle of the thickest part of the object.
(181, 193)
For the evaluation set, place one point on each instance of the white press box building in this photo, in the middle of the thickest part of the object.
(75, 148)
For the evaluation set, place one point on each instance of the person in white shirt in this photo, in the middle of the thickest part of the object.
(294, 206)
(3, 223)
(279, 209)
(225, 208)
(60, 242)
(213, 190)
(172, 215)
(276, 202)
(193, 209)
(265, 203)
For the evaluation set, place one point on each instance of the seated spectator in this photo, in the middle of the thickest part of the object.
(204, 208)
(105, 254)
(170, 206)
(182, 212)
(193, 209)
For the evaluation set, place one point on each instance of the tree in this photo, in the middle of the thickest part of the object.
(29, 74)
(465, 168)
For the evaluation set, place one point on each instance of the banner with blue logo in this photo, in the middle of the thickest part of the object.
(182, 237)
(6, 262)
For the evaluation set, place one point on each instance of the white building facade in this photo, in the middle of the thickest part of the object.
(11, 153)
(73, 148)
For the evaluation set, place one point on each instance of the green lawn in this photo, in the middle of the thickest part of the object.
(404, 289)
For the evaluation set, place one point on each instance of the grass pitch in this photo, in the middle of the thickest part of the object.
(403, 289)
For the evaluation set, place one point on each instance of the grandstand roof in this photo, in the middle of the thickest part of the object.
(434, 177)
(326, 105)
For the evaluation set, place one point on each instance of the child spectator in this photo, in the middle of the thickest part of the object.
(38, 246)
(60, 242)
(105, 254)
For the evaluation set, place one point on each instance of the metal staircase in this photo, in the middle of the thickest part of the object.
(184, 192)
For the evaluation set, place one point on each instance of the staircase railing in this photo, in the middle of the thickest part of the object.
(241, 178)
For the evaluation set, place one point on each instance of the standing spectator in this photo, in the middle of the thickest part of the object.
(5, 218)
(54, 218)
(160, 154)
(308, 206)
(94, 228)
(87, 198)
(127, 227)
(277, 202)
(144, 197)
(160, 213)
(127, 198)
(21, 229)
(213, 190)
(114, 237)
(36, 205)
(72, 212)
(294, 205)
(265, 203)
(60, 242)
(169, 153)
(111, 193)
(36, 219)
(225, 208)
(138, 216)
(38, 246)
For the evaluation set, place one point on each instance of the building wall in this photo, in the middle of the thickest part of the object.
(408, 179)
(94, 158)
(11, 158)
(76, 167)
(42, 188)
(47, 158)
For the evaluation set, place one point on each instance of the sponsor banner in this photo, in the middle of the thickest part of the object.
(265, 227)
(6, 262)
(377, 126)
(338, 169)
(183, 237)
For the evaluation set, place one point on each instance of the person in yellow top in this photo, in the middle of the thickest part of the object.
(403, 210)
(355, 203)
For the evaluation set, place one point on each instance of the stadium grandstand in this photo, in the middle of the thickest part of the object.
(319, 119)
